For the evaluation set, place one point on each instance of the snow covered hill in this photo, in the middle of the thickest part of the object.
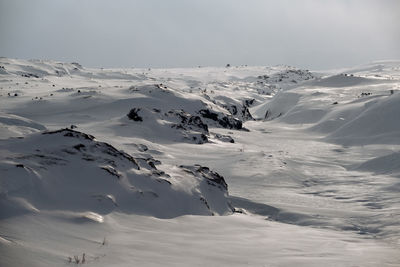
(69, 170)
(126, 166)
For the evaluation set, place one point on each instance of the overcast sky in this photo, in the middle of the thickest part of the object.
(183, 33)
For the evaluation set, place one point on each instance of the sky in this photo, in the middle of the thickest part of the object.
(313, 34)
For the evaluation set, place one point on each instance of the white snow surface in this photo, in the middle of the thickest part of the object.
(236, 166)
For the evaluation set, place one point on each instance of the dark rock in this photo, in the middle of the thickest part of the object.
(110, 150)
(94, 145)
(200, 139)
(366, 94)
(79, 147)
(208, 114)
(230, 123)
(224, 138)
(142, 148)
(151, 164)
(288, 76)
(134, 114)
(196, 121)
(29, 75)
(164, 181)
(189, 122)
(225, 121)
(111, 171)
(248, 102)
(202, 199)
(213, 178)
(71, 133)
(233, 110)
(246, 115)
(240, 112)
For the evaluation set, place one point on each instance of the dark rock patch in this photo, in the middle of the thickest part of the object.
(188, 121)
(93, 145)
(71, 133)
(79, 147)
(213, 178)
(134, 114)
(225, 121)
(29, 75)
(224, 138)
(111, 171)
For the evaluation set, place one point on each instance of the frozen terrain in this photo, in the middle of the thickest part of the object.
(235, 166)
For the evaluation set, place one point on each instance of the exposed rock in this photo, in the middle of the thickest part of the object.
(248, 102)
(224, 138)
(92, 149)
(29, 75)
(71, 133)
(291, 75)
(188, 121)
(223, 120)
(133, 114)
(213, 178)
(111, 171)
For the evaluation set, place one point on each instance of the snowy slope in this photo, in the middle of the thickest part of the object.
(127, 165)
(70, 170)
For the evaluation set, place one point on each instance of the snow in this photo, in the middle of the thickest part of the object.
(235, 240)
(376, 123)
(298, 168)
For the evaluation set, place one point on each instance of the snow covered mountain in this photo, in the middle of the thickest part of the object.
(127, 165)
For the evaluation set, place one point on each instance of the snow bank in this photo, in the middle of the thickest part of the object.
(388, 164)
(13, 126)
(279, 105)
(376, 122)
(342, 80)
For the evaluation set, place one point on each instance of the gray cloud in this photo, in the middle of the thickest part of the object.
(174, 33)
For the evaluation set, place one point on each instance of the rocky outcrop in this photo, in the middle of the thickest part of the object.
(220, 119)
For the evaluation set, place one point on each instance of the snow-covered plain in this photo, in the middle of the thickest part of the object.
(127, 166)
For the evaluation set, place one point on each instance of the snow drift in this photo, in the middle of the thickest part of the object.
(376, 122)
